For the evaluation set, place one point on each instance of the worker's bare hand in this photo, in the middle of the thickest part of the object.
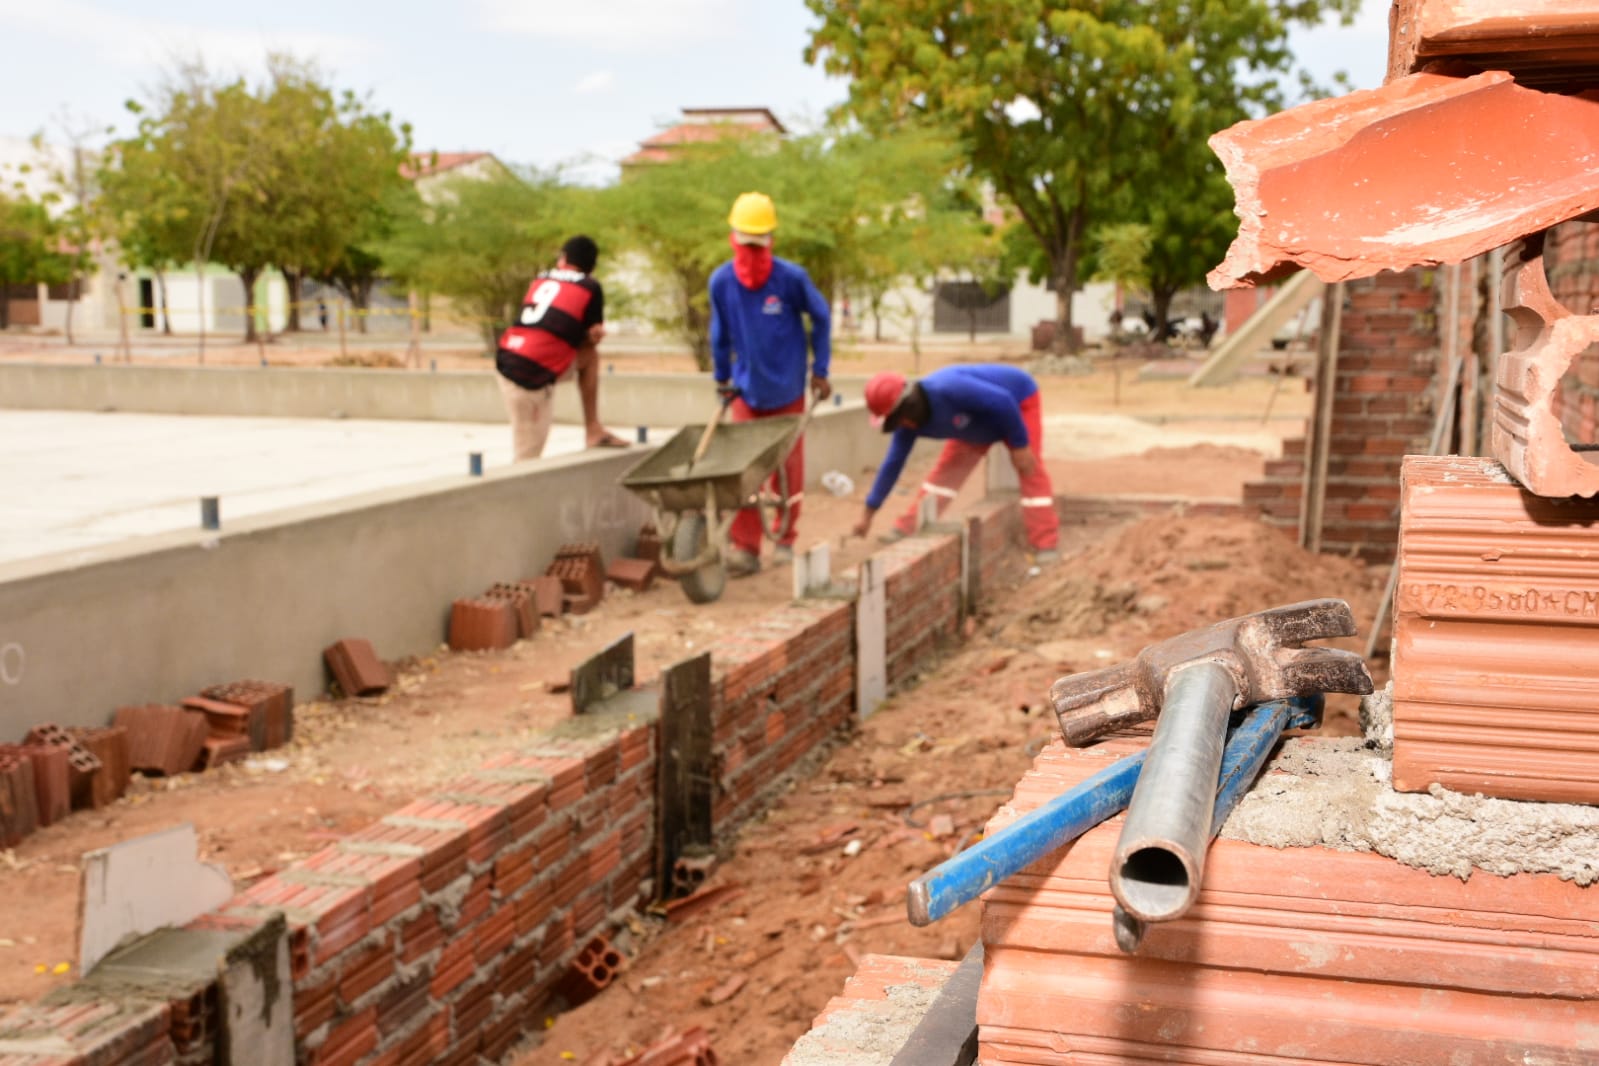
(1025, 461)
(864, 525)
(821, 387)
(596, 334)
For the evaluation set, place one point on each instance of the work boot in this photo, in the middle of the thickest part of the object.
(740, 563)
(782, 554)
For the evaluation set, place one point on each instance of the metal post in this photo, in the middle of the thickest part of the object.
(1160, 858)
(342, 349)
(474, 462)
(210, 512)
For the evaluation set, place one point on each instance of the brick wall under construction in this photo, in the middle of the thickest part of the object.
(1383, 407)
(446, 931)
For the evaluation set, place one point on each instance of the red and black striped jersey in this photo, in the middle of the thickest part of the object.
(553, 323)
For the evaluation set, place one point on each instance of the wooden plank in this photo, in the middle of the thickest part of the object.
(871, 638)
(603, 675)
(685, 783)
(1257, 332)
(1320, 442)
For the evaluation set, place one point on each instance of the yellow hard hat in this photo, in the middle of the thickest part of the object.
(753, 213)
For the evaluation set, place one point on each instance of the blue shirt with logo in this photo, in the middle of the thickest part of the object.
(763, 326)
(979, 404)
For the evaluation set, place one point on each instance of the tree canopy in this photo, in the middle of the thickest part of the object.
(1077, 113)
(31, 251)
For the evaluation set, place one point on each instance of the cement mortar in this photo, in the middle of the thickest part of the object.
(875, 1034)
(1336, 793)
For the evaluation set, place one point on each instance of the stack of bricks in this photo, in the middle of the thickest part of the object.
(162, 740)
(581, 569)
(1383, 401)
(520, 595)
(780, 688)
(270, 705)
(482, 624)
(1571, 261)
(441, 931)
(1290, 955)
(922, 586)
(106, 784)
(227, 731)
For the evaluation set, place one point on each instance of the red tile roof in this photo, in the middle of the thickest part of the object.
(429, 164)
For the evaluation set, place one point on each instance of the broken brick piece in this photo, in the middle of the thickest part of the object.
(482, 625)
(219, 750)
(1496, 615)
(635, 574)
(272, 709)
(581, 569)
(19, 798)
(1402, 176)
(1527, 435)
(161, 739)
(109, 782)
(548, 596)
(356, 667)
(221, 719)
(520, 596)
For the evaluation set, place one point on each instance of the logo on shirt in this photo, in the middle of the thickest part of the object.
(772, 306)
(962, 420)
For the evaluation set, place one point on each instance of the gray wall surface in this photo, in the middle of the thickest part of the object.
(157, 618)
(626, 400)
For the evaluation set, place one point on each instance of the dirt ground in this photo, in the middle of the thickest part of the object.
(916, 782)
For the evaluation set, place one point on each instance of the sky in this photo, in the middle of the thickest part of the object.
(541, 82)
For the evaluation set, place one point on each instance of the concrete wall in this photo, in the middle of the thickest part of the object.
(626, 400)
(157, 618)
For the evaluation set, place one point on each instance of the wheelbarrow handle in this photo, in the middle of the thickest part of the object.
(710, 429)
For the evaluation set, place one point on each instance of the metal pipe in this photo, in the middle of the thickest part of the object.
(963, 877)
(1160, 857)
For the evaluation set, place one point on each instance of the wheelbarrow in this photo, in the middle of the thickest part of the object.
(695, 501)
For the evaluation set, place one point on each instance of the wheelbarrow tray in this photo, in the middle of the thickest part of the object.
(740, 457)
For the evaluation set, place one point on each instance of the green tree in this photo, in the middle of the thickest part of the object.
(480, 243)
(1074, 111)
(30, 248)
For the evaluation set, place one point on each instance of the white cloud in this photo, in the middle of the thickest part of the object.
(597, 82)
(116, 37)
(613, 24)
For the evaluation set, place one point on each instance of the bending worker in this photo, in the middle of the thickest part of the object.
(758, 352)
(555, 338)
(971, 407)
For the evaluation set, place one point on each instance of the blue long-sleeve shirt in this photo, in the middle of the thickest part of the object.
(763, 326)
(979, 404)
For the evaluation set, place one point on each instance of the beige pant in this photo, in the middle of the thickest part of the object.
(531, 411)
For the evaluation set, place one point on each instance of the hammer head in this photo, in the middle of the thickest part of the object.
(1263, 651)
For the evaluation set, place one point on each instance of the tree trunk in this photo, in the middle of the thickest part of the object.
(1063, 264)
(161, 290)
(5, 305)
(199, 278)
(72, 301)
(294, 280)
(1160, 300)
(362, 298)
(249, 276)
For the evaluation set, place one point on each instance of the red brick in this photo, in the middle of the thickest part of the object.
(482, 625)
(635, 574)
(362, 975)
(356, 667)
(454, 967)
(349, 1041)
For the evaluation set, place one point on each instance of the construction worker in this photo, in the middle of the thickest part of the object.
(971, 407)
(758, 351)
(556, 335)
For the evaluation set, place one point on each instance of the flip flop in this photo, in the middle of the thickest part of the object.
(610, 440)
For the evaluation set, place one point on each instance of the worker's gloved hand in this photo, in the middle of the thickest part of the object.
(726, 391)
(1024, 460)
(821, 388)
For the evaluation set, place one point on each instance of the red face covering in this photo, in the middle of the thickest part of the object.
(752, 263)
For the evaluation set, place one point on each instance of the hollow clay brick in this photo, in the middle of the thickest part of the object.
(19, 798)
(1527, 436)
(1400, 176)
(218, 751)
(52, 780)
(581, 569)
(548, 595)
(635, 574)
(649, 543)
(271, 706)
(521, 599)
(161, 739)
(1552, 44)
(1496, 626)
(482, 625)
(1290, 956)
(107, 784)
(355, 665)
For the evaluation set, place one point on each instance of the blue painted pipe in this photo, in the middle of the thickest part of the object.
(963, 877)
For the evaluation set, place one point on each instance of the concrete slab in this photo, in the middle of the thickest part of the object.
(141, 885)
(78, 479)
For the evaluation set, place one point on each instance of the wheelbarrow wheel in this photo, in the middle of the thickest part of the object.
(689, 540)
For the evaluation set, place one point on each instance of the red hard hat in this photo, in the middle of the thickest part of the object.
(882, 393)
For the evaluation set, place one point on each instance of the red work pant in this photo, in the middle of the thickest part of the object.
(959, 459)
(746, 530)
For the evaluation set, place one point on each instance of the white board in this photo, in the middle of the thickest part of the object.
(871, 638)
(141, 885)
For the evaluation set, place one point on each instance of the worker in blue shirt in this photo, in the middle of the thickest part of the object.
(972, 407)
(759, 357)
